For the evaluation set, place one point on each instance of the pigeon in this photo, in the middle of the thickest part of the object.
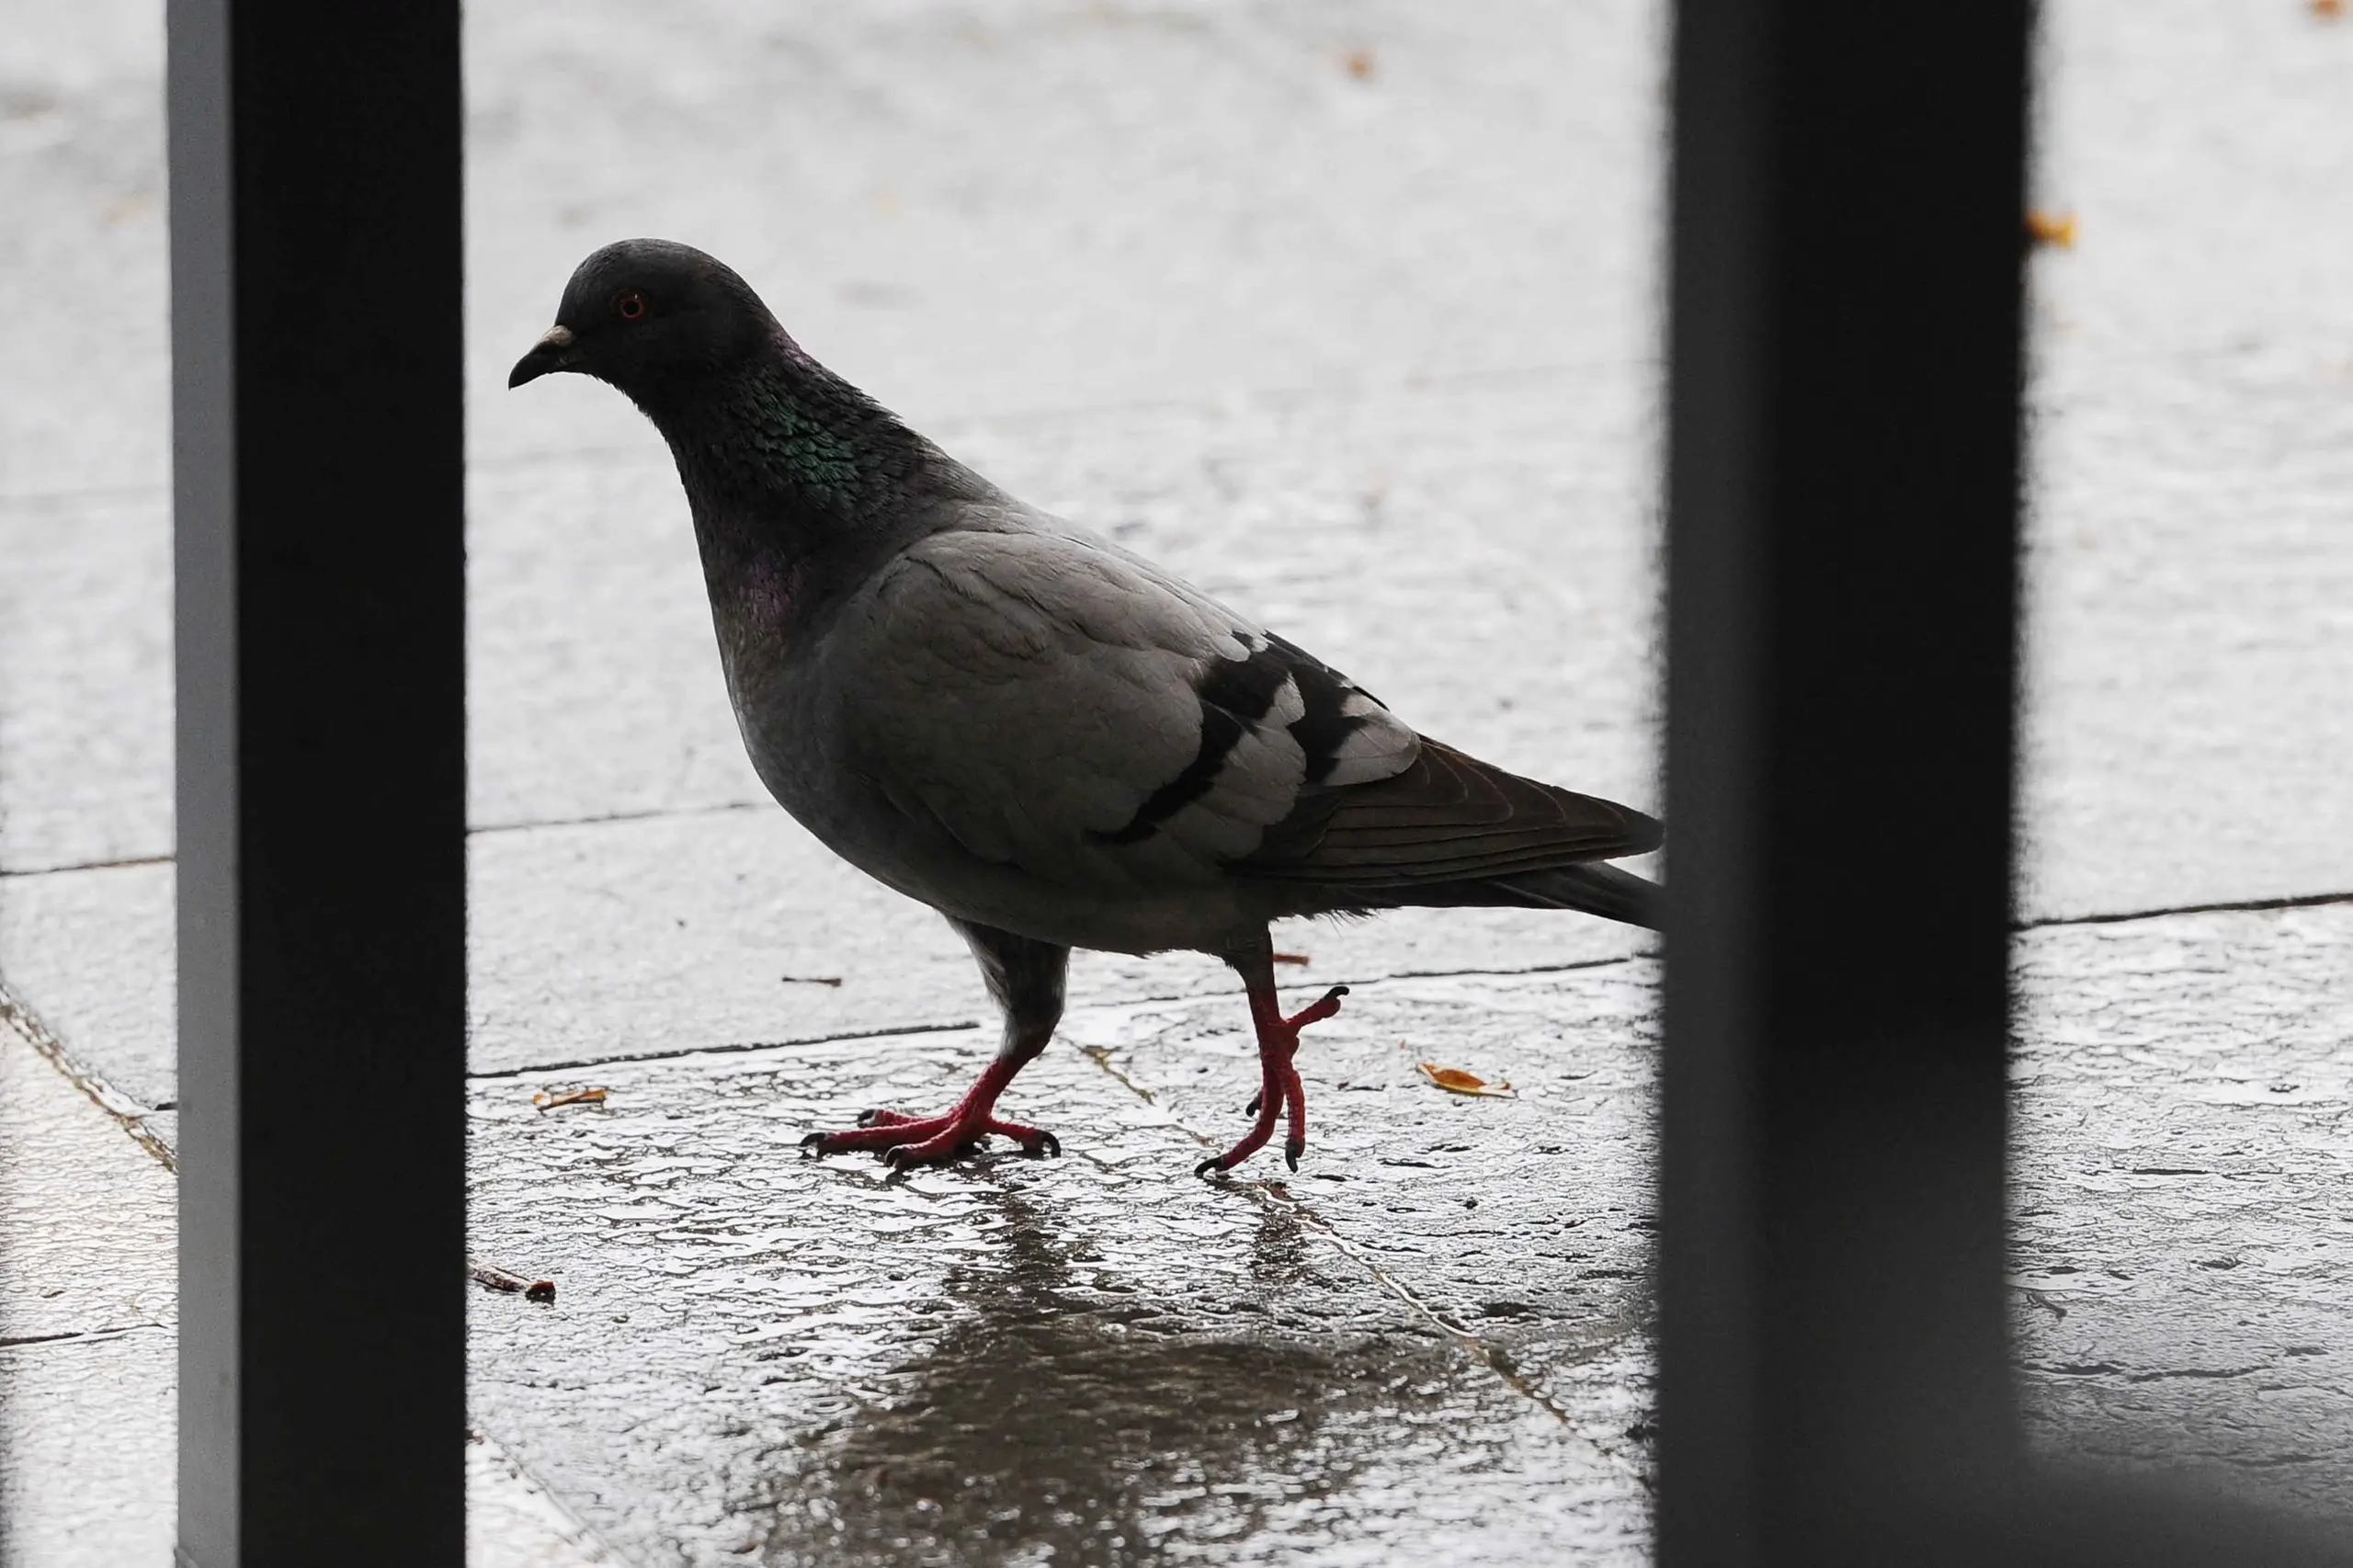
(1049, 739)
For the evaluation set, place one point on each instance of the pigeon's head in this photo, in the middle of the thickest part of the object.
(645, 315)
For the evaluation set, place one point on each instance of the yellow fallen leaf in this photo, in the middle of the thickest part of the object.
(1455, 1081)
(2052, 228)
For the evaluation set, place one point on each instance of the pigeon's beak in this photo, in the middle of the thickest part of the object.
(552, 352)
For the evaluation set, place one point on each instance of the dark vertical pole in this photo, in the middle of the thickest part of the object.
(318, 460)
(1844, 348)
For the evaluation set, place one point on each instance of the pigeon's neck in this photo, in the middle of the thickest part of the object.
(781, 459)
(799, 484)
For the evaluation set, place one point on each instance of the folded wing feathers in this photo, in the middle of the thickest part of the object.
(1068, 651)
(1274, 723)
(1059, 703)
(1446, 817)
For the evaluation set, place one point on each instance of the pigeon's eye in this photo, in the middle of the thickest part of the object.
(629, 305)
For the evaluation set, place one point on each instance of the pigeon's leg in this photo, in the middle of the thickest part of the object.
(1281, 1093)
(1026, 978)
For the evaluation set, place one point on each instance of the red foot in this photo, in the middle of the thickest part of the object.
(903, 1141)
(1279, 1090)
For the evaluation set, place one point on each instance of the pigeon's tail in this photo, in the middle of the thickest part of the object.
(1591, 887)
(1595, 888)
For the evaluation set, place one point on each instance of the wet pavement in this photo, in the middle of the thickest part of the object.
(2182, 1246)
(1350, 314)
(88, 1352)
(1100, 1354)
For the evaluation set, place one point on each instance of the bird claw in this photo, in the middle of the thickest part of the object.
(909, 1155)
(1213, 1167)
(1315, 1012)
(904, 1142)
(1281, 1091)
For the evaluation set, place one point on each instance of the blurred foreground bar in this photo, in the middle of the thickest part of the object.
(1843, 473)
(316, 312)
(1843, 527)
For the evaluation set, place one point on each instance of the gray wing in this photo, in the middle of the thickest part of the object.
(1056, 704)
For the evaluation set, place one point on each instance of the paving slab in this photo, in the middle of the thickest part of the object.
(2190, 424)
(89, 955)
(86, 1425)
(86, 680)
(1199, 182)
(1525, 1219)
(1116, 202)
(1100, 1358)
(2188, 569)
(2183, 1137)
(88, 1310)
(88, 1220)
(89, 1353)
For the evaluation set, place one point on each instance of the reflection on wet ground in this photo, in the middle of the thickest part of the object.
(1055, 1420)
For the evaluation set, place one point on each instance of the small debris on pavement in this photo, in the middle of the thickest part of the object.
(507, 1280)
(1291, 957)
(833, 979)
(2327, 8)
(1455, 1081)
(2054, 229)
(546, 1101)
(1359, 64)
(2058, 1312)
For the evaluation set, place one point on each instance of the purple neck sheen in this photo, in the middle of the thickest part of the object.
(769, 588)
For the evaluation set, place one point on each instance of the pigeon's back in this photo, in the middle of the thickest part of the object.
(1023, 725)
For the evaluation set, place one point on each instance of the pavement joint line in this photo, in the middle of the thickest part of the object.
(728, 1048)
(1491, 1355)
(648, 813)
(2220, 906)
(1275, 1195)
(1569, 967)
(734, 1048)
(505, 1453)
(87, 865)
(127, 1111)
(82, 1335)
